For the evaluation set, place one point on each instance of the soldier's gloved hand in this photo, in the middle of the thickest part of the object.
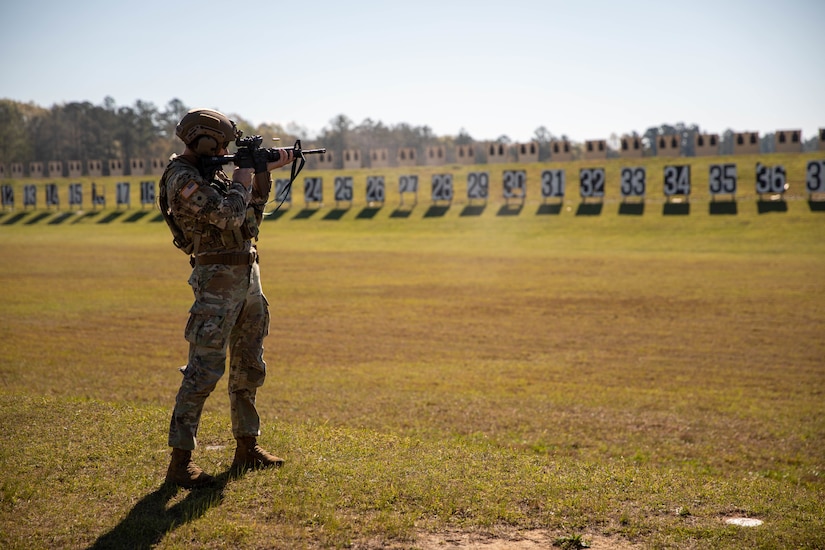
(285, 157)
(244, 158)
(260, 162)
(243, 176)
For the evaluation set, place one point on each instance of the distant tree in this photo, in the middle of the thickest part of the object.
(463, 138)
(542, 135)
(650, 140)
(83, 131)
(767, 143)
(811, 145)
(726, 145)
(15, 142)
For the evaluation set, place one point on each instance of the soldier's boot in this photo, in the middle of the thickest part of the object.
(183, 472)
(250, 456)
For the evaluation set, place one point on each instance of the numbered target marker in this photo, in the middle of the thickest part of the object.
(147, 193)
(52, 199)
(815, 177)
(8, 196)
(343, 189)
(514, 185)
(770, 180)
(442, 188)
(408, 184)
(478, 186)
(123, 195)
(75, 194)
(633, 182)
(676, 180)
(29, 196)
(722, 179)
(283, 191)
(376, 191)
(552, 184)
(98, 198)
(591, 183)
(313, 190)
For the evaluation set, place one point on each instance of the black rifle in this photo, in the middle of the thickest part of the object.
(250, 154)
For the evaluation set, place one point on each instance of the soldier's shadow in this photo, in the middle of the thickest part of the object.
(152, 517)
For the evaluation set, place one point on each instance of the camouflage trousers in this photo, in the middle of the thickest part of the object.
(230, 312)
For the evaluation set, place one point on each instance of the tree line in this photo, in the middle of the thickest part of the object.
(84, 131)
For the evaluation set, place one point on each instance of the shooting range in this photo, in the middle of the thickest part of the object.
(498, 153)
(435, 155)
(746, 143)
(705, 145)
(114, 167)
(595, 149)
(527, 152)
(379, 158)
(668, 146)
(787, 141)
(465, 154)
(631, 147)
(560, 151)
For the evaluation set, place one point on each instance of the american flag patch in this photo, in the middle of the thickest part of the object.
(190, 188)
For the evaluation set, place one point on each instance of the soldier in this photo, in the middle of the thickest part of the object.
(215, 219)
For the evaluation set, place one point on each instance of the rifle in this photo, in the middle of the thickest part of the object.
(251, 154)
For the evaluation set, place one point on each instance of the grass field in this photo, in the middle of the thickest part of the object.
(628, 380)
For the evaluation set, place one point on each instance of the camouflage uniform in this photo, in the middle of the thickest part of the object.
(230, 308)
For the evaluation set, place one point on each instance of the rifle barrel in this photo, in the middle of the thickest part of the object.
(229, 159)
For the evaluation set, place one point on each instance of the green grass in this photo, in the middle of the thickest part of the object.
(634, 377)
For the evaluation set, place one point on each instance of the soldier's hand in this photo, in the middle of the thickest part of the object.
(243, 176)
(285, 157)
(244, 158)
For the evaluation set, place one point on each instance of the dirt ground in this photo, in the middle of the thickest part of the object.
(523, 540)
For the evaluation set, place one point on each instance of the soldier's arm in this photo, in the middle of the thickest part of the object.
(198, 199)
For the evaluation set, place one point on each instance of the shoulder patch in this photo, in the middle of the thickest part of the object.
(189, 189)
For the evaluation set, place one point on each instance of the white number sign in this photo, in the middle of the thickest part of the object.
(770, 179)
(375, 189)
(677, 180)
(75, 194)
(8, 195)
(478, 185)
(815, 176)
(122, 193)
(514, 184)
(313, 189)
(29, 195)
(147, 192)
(442, 187)
(591, 182)
(343, 188)
(722, 179)
(52, 198)
(408, 184)
(280, 185)
(634, 182)
(97, 199)
(552, 183)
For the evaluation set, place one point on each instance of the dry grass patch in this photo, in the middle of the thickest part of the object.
(438, 380)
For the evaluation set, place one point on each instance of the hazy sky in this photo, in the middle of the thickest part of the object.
(585, 69)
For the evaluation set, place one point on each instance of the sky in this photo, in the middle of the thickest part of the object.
(585, 69)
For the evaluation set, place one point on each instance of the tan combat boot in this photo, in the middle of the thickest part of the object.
(250, 456)
(183, 472)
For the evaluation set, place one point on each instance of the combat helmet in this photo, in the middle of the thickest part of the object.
(205, 131)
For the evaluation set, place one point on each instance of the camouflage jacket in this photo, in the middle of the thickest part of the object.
(219, 209)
